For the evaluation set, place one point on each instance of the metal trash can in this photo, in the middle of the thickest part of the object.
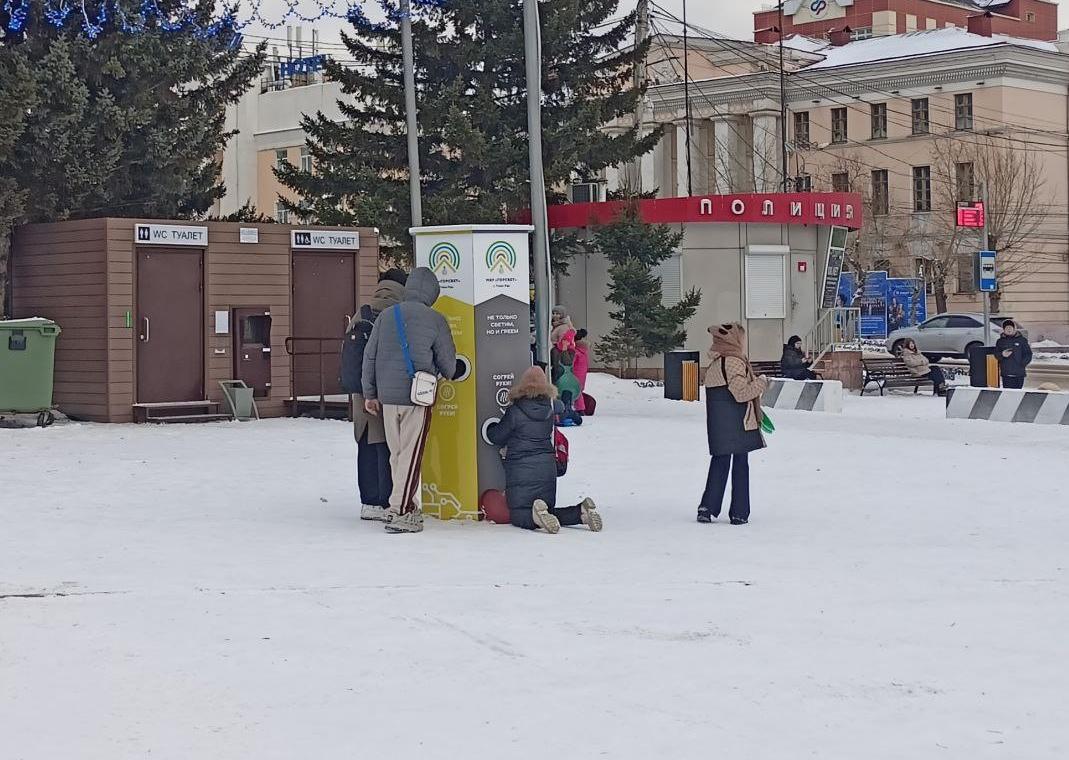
(673, 372)
(983, 367)
(27, 363)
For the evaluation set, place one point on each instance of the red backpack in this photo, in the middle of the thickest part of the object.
(560, 447)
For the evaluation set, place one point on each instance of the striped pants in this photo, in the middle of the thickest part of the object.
(407, 428)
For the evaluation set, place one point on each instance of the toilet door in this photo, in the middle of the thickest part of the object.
(170, 326)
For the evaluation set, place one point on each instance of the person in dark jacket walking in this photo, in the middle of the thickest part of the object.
(733, 423)
(1014, 355)
(372, 455)
(388, 388)
(794, 363)
(526, 432)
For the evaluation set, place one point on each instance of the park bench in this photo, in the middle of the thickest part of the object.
(890, 373)
(769, 369)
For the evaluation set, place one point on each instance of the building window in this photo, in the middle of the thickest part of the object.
(963, 111)
(879, 121)
(840, 182)
(911, 22)
(838, 125)
(306, 159)
(803, 183)
(965, 181)
(922, 188)
(880, 193)
(861, 33)
(282, 159)
(966, 273)
(931, 23)
(1030, 17)
(921, 118)
(671, 273)
(282, 214)
(801, 130)
(766, 282)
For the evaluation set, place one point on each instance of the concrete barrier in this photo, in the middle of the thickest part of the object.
(804, 395)
(1005, 405)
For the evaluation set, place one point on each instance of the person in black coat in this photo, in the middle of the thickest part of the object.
(374, 478)
(526, 432)
(793, 363)
(1014, 355)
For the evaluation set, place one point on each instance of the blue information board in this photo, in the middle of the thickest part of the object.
(987, 279)
(874, 305)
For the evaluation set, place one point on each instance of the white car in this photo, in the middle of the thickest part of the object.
(949, 334)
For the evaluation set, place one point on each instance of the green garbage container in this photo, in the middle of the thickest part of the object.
(27, 360)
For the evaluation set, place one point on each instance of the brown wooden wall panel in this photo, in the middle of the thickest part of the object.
(58, 272)
(83, 275)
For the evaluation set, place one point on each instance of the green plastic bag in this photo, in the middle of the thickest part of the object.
(766, 424)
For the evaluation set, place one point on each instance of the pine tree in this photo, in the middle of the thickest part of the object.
(472, 114)
(126, 124)
(644, 327)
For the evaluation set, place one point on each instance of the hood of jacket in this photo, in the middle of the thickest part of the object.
(422, 287)
(387, 293)
(538, 409)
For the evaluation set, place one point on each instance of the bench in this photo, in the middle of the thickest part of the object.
(773, 369)
(769, 369)
(890, 373)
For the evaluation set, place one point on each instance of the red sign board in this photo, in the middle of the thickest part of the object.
(971, 215)
(803, 266)
(821, 209)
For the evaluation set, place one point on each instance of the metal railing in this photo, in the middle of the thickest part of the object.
(836, 328)
(323, 347)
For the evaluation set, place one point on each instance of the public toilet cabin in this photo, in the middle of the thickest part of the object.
(758, 259)
(156, 313)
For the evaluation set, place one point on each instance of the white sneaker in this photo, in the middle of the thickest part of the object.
(371, 512)
(589, 516)
(408, 523)
(543, 519)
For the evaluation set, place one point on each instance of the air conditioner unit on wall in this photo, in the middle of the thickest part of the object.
(587, 192)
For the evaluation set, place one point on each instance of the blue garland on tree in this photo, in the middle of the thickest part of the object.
(94, 17)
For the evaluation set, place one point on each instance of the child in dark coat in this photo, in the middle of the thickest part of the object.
(526, 432)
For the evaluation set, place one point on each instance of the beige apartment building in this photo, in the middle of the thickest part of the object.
(912, 122)
(268, 122)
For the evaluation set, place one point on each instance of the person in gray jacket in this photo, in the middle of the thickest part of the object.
(388, 389)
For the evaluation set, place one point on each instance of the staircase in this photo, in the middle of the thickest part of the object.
(175, 412)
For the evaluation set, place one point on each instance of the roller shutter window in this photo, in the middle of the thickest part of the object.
(671, 273)
(766, 285)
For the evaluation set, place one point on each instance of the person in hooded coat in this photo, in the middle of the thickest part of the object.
(733, 423)
(793, 363)
(388, 388)
(1014, 354)
(919, 366)
(526, 434)
(373, 476)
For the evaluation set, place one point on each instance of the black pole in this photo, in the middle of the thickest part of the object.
(783, 104)
(686, 94)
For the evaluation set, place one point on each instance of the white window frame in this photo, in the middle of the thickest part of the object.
(306, 159)
(757, 263)
(671, 273)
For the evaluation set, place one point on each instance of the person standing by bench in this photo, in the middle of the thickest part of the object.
(794, 364)
(919, 366)
(1014, 355)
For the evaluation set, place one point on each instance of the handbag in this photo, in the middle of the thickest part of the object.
(424, 384)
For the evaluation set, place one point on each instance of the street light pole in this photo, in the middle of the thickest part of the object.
(408, 64)
(543, 280)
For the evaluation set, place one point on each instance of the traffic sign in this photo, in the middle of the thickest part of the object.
(986, 277)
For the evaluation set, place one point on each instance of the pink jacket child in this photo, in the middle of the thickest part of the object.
(581, 366)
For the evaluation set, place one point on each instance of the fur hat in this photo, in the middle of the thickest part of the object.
(533, 383)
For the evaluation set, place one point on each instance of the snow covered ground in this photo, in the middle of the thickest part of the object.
(207, 592)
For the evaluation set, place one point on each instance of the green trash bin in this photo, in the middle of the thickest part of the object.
(27, 360)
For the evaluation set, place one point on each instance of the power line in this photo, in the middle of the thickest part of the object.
(852, 104)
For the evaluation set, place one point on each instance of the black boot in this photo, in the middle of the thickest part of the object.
(704, 515)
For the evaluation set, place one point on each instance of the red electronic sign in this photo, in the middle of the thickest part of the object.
(971, 215)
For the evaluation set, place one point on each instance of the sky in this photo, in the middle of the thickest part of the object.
(733, 18)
